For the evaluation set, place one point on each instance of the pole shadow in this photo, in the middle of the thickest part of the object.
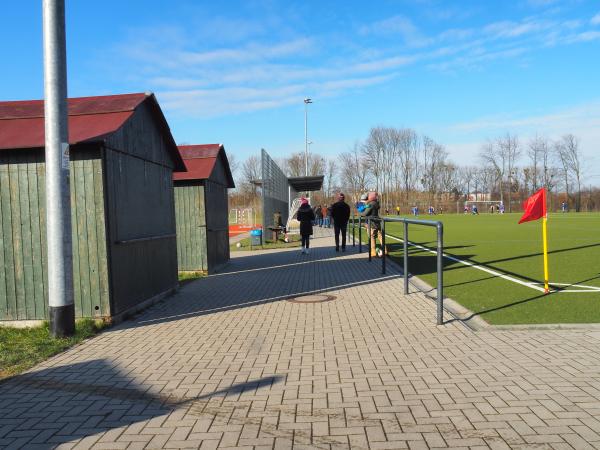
(73, 401)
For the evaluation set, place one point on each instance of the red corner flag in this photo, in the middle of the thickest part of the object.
(534, 206)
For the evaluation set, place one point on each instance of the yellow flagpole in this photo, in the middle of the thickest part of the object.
(545, 238)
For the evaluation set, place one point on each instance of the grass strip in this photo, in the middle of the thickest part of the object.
(23, 348)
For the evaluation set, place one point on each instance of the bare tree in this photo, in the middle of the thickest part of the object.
(374, 154)
(330, 173)
(433, 157)
(509, 147)
(466, 177)
(353, 173)
(447, 174)
(570, 152)
(538, 147)
(316, 165)
(408, 159)
(562, 158)
(234, 164)
(492, 156)
(295, 165)
(251, 169)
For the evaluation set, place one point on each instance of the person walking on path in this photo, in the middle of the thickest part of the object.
(340, 212)
(305, 216)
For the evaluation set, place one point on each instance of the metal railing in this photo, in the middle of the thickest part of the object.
(439, 253)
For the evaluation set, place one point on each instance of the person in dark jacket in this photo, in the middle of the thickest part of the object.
(340, 213)
(305, 216)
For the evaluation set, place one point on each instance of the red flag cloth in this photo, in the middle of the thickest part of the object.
(534, 206)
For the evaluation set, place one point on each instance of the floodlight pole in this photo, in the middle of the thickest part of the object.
(58, 201)
(306, 102)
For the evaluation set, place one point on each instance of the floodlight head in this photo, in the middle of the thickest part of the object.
(307, 100)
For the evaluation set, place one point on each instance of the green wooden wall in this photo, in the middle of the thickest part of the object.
(190, 218)
(23, 273)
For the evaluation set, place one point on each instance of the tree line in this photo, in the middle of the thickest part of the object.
(409, 168)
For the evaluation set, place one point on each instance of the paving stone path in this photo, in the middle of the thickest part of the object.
(228, 362)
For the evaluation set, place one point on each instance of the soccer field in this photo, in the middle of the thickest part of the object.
(495, 242)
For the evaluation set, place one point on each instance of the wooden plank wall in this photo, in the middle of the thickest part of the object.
(23, 273)
(191, 227)
(141, 211)
(217, 224)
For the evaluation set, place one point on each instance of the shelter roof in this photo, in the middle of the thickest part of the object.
(200, 162)
(306, 184)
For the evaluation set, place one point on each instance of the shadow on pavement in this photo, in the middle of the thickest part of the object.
(52, 406)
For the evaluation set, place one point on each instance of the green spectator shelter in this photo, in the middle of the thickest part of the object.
(201, 208)
(124, 244)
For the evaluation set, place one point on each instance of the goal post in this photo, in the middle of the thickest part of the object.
(483, 205)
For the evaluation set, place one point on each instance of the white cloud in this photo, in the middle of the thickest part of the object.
(585, 36)
(581, 116)
(510, 29)
(397, 26)
(234, 100)
(595, 20)
(267, 70)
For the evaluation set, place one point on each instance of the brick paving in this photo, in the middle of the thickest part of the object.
(229, 363)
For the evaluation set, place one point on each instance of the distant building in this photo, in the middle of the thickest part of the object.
(201, 208)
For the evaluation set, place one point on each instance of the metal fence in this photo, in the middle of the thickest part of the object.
(275, 191)
(439, 251)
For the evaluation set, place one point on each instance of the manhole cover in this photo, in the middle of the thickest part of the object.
(316, 298)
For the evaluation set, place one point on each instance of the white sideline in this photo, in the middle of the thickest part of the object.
(470, 264)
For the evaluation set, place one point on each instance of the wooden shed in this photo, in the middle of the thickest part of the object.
(124, 247)
(201, 208)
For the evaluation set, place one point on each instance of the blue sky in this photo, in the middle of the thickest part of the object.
(237, 72)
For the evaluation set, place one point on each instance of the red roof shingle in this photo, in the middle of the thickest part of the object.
(200, 162)
(90, 118)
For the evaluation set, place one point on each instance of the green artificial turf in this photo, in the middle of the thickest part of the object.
(499, 243)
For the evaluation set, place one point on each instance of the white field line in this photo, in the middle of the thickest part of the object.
(473, 265)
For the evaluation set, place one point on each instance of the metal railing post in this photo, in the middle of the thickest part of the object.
(369, 237)
(359, 234)
(353, 230)
(440, 271)
(405, 257)
(383, 246)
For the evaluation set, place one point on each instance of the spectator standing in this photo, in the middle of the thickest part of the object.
(319, 215)
(397, 210)
(305, 216)
(340, 212)
(372, 210)
(325, 215)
